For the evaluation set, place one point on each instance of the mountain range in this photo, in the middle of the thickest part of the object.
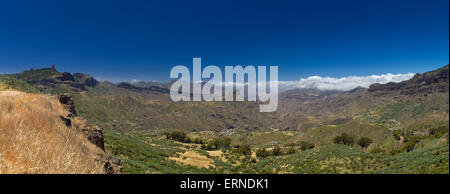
(390, 114)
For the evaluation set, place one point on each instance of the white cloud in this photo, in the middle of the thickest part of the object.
(118, 80)
(134, 81)
(344, 83)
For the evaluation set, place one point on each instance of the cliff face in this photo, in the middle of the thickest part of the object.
(42, 134)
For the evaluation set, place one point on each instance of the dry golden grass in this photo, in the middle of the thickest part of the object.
(34, 140)
(193, 158)
(218, 154)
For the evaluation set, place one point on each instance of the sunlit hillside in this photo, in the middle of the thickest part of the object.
(33, 138)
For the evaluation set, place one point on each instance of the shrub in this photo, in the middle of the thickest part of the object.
(377, 150)
(245, 149)
(217, 144)
(397, 134)
(262, 153)
(276, 151)
(306, 145)
(409, 146)
(290, 144)
(225, 142)
(364, 142)
(345, 139)
(197, 141)
(439, 131)
(208, 147)
(176, 136)
(291, 151)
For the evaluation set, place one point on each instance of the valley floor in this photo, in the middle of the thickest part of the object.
(156, 154)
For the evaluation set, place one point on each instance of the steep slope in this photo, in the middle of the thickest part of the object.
(36, 137)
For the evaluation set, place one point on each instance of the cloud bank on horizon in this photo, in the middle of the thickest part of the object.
(343, 83)
(318, 82)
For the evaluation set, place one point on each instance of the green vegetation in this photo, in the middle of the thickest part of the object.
(245, 149)
(262, 153)
(345, 139)
(364, 142)
(36, 75)
(402, 128)
(341, 159)
(178, 136)
(9, 82)
(306, 145)
(222, 143)
(276, 151)
(139, 155)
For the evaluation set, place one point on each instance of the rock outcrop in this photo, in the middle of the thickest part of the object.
(93, 133)
(67, 101)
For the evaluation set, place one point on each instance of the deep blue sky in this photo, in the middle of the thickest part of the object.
(144, 39)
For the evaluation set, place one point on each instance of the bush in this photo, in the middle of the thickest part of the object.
(218, 144)
(197, 141)
(397, 134)
(290, 144)
(377, 150)
(276, 151)
(306, 145)
(438, 132)
(262, 153)
(409, 146)
(225, 142)
(291, 151)
(345, 139)
(176, 136)
(208, 147)
(245, 149)
(364, 142)
(215, 143)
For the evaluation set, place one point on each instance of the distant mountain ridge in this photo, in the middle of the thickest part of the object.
(148, 104)
(314, 107)
(407, 122)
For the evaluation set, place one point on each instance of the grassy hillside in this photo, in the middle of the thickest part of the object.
(33, 139)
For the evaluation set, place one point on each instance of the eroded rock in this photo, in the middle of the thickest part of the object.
(95, 136)
(67, 100)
